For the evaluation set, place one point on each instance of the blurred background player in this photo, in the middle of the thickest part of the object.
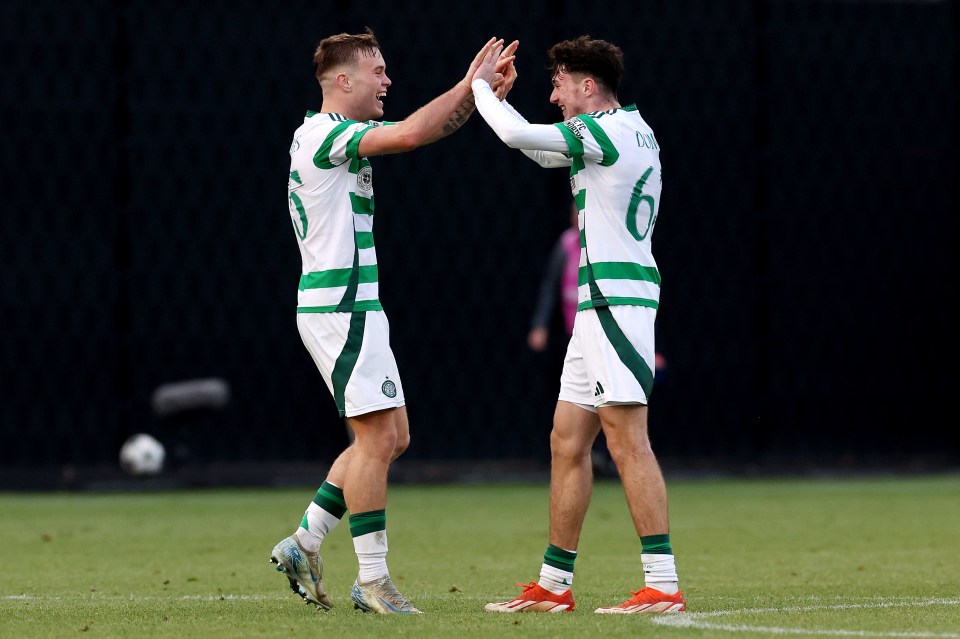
(559, 282)
(339, 315)
(609, 368)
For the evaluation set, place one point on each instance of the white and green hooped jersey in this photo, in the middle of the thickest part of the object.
(330, 194)
(615, 179)
(614, 162)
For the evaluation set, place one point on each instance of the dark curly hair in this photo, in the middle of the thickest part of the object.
(598, 59)
(341, 48)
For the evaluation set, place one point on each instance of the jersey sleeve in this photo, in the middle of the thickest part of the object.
(546, 159)
(340, 144)
(586, 139)
(515, 131)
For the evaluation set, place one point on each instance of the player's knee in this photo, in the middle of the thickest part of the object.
(403, 442)
(625, 450)
(567, 448)
(380, 444)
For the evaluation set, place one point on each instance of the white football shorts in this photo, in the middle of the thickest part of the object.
(611, 357)
(352, 351)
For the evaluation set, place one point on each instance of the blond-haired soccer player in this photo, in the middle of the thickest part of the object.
(608, 371)
(341, 321)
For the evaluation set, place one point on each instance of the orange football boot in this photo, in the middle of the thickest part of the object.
(534, 599)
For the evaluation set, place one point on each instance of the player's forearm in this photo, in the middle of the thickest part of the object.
(512, 111)
(441, 116)
(546, 159)
(515, 131)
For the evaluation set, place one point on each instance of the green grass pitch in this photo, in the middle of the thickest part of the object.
(864, 557)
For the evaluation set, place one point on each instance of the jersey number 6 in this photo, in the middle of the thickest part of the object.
(635, 201)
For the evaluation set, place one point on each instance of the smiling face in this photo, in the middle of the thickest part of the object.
(568, 94)
(369, 83)
(586, 75)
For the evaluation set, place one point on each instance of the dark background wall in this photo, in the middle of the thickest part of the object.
(806, 237)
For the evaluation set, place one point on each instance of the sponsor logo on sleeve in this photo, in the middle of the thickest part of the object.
(577, 127)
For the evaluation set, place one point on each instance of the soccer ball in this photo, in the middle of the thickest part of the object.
(142, 455)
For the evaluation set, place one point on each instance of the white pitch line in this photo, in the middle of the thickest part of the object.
(698, 620)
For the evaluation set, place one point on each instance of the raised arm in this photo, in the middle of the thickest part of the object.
(439, 118)
(542, 143)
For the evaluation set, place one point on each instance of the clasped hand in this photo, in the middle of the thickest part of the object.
(494, 64)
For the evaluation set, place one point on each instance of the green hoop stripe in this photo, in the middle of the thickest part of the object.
(619, 301)
(619, 271)
(364, 239)
(321, 158)
(347, 360)
(362, 305)
(580, 199)
(361, 205)
(625, 350)
(610, 153)
(559, 558)
(368, 522)
(334, 277)
(656, 545)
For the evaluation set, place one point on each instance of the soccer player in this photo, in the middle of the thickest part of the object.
(609, 366)
(341, 322)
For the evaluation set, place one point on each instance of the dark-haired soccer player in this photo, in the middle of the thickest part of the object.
(608, 371)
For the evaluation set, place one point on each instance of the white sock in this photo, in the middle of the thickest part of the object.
(555, 580)
(660, 572)
(319, 523)
(372, 555)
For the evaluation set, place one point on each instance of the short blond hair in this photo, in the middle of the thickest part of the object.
(341, 49)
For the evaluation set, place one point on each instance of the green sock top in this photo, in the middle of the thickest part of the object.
(559, 558)
(368, 522)
(656, 545)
